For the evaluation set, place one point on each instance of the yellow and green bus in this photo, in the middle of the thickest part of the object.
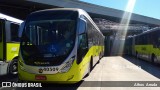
(59, 45)
(147, 45)
(9, 44)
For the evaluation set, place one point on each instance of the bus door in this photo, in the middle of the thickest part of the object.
(83, 47)
(12, 41)
(1, 39)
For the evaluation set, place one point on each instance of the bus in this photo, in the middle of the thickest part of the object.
(59, 45)
(9, 44)
(147, 45)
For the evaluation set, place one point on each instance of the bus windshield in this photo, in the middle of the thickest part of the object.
(48, 39)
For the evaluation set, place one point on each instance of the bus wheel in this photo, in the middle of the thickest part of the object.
(137, 55)
(154, 59)
(13, 67)
(99, 58)
(91, 64)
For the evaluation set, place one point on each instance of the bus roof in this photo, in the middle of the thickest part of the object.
(148, 31)
(9, 18)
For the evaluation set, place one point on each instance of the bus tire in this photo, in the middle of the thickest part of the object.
(99, 58)
(137, 56)
(13, 67)
(91, 64)
(154, 59)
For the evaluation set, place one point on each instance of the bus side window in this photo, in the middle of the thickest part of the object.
(1, 31)
(83, 42)
(83, 47)
(14, 32)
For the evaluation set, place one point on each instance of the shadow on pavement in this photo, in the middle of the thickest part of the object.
(145, 65)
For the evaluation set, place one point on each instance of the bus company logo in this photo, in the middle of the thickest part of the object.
(14, 84)
(40, 70)
(6, 84)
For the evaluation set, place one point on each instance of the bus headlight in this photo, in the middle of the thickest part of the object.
(67, 65)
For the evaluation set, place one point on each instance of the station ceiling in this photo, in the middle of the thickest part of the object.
(21, 8)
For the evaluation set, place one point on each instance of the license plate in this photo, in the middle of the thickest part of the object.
(40, 77)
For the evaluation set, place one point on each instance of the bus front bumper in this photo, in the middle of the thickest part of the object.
(72, 76)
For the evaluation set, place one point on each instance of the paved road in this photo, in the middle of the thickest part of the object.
(114, 71)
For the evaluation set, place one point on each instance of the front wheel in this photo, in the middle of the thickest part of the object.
(154, 59)
(13, 67)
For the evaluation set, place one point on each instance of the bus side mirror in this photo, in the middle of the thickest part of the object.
(82, 26)
(21, 29)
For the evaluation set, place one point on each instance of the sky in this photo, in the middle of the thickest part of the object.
(150, 8)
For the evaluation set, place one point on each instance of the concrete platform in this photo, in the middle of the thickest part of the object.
(117, 69)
